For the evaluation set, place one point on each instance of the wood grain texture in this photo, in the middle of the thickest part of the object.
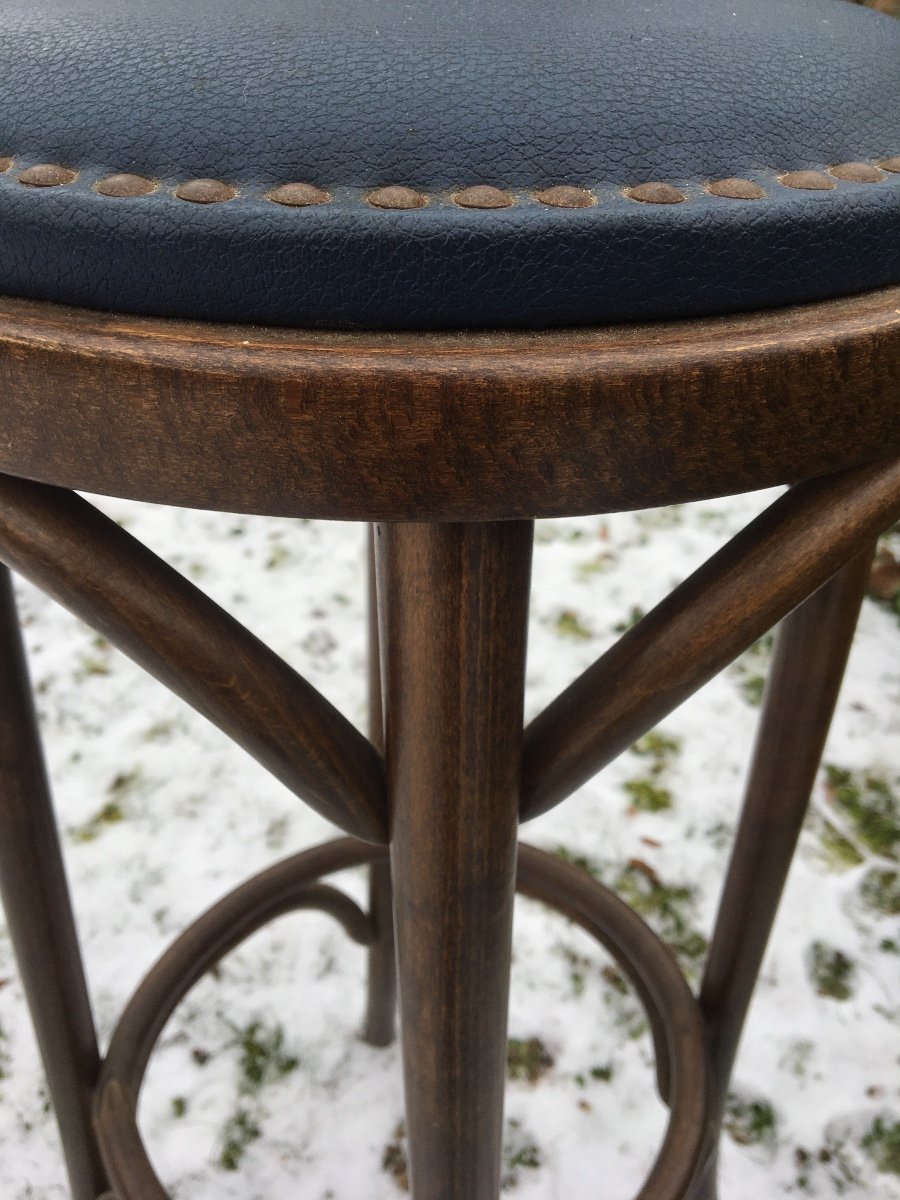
(804, 682)
(751, 583)
(39, 914)
(453, 603)
(145, 608)
(291, 885)
(381, 983)
(457, 426)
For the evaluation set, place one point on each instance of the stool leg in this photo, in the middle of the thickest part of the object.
(381, 1001)
(382, 984)
(453, 605)
(39, 915)
(810, 657)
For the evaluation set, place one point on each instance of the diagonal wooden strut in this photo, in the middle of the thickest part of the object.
(168, 626)
(742, 591)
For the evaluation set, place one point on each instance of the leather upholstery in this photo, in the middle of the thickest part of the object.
(439, 95)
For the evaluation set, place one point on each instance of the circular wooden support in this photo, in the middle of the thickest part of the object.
(293, 884)
(446, 426)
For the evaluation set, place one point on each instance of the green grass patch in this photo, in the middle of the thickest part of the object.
(880, 890)
(750, 1122)
(869, 802)
(240, 1132)
(838, 852)
(661, 747)
(598, 1074)
(263, 1058)
(753, 688)
(831, 971)
(394, 1160)
(528, 1059)
(278, 556)
(91, 664)
(635, 615)
(161, 730)
(647, 796)
(5, 1059)
(669, 909)
(111, 813)
(594, 566)
(647, 793)
(579, 967)
(569, 624)
(520, 1153)
(882, 1144)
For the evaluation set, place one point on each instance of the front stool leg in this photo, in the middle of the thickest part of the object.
(810, 657)
(381, 987)
(453, 607)
(39, 914)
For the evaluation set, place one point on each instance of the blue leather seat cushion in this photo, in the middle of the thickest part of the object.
(440, 96)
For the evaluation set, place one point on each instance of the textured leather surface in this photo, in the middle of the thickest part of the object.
(439, 95)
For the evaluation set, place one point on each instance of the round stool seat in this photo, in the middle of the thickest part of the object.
(443, 165)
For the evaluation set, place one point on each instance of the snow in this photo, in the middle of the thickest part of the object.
(198, 816)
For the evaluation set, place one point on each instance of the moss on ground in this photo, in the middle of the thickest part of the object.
(882, 1144)
(832, 972)
(527, 1059)
(868, 801)
(750, 1122)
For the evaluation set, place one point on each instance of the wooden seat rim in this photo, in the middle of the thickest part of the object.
(446, 426)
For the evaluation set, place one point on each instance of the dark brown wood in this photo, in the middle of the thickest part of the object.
(453, 602)
(464, 426)
(106, 577)
(381, 987)
(744, 589)
(290, 886)
(805, 678)
(667, 999)
(294, 884)
(39, 915)
(381, 981)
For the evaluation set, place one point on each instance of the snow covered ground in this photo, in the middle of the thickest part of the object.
(261, 1086)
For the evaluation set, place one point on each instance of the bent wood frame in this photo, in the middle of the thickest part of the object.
(205, 416)
(445, 426)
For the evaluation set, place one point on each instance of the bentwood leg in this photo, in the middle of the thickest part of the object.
(382, 982)
(810, 657)
(39, 915)
(453, 603)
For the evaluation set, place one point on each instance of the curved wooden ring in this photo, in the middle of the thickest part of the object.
(292, 884)
(446, 426)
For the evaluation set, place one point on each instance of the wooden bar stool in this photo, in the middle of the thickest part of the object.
(443, 268)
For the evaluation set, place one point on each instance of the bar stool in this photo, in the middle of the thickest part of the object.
(443, 268)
